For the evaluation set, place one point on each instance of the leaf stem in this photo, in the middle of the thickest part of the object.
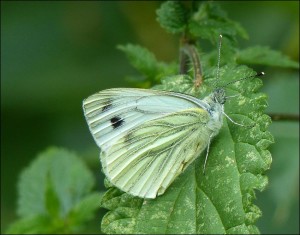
(284, 117)
(183, 58)
(188, 52)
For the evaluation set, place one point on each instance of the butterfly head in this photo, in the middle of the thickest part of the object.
(218, 96)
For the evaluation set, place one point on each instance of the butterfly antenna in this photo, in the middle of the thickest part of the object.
(249, 77)
(219, 59)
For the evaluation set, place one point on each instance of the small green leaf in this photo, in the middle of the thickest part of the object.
(84, 210)
(210, 21)
(172, 16)
(69, 177)
(124, 208)
(265, 56)
(51, 199)
(54, 194)
(146, 63)
(30, 225)
(111, 198)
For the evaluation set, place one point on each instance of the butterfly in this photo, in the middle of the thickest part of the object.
(148, 137)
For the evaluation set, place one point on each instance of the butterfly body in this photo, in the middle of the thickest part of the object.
(148, 137)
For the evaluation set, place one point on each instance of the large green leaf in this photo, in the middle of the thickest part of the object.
(221, 201)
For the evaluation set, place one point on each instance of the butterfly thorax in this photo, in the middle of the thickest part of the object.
(215, 102)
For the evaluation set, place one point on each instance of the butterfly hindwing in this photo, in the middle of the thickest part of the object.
(148, 158)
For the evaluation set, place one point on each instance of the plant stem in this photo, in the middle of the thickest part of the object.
(284, 117)
(188, 52)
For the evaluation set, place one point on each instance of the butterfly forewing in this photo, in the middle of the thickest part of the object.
(111, 113)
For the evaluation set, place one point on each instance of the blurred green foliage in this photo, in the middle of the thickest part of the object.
(54, 54)
(54, 195)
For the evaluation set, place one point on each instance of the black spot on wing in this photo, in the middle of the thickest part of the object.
(106, 107)
(116, 122)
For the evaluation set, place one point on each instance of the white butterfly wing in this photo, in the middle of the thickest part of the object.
(111, 113)
(146, 160)
(147, 137)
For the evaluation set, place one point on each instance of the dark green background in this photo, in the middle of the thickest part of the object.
(55, 54)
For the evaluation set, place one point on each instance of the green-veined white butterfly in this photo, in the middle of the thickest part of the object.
(148, 137)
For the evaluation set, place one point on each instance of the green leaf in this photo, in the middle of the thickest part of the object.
(221, 201)
(210, 21)
(124, 210)
(69, 176)
(265, 56)
(54, 194)
(146, 63)
(30, 225)
(172, 16)
(51, 199)
(84, 210)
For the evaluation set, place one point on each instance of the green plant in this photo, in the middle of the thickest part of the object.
(55, 193)
(222, 200)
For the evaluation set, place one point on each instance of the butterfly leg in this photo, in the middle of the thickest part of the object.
(231, 96)
(207, 151)
(239, 124)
